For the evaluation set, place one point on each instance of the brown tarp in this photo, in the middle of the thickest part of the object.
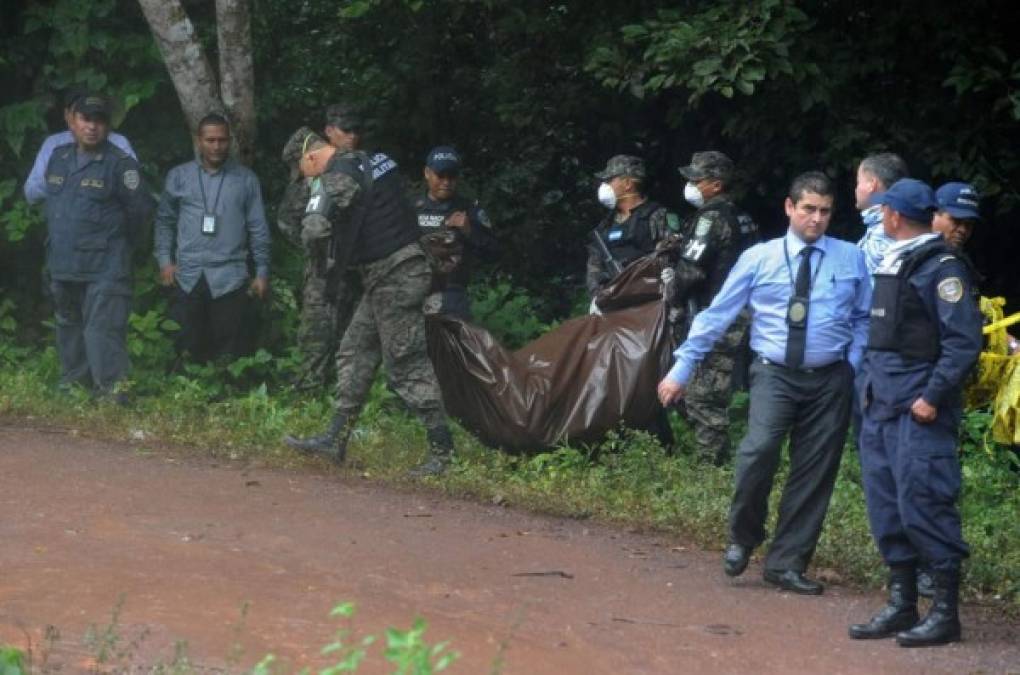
(574, 383)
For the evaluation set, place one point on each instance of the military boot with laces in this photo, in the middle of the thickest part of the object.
(901, 612)
(942, 624)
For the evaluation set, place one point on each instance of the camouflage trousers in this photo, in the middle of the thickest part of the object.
(388, 327)
(317, 333)
(323, 322)
(708, 395)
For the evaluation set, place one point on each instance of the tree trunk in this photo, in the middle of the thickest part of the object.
(237, 72)
(184, 57)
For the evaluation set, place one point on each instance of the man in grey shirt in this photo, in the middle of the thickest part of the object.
(210, 218)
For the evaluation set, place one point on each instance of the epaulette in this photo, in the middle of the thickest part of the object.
(118, 152)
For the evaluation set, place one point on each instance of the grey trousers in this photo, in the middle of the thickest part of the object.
(91, 325)
(813, 407)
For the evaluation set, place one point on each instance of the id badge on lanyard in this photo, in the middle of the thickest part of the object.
(209, 215)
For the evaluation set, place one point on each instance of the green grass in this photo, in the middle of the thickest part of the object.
(627, 480)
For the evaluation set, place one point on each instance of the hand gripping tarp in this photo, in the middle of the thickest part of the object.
(574, 383)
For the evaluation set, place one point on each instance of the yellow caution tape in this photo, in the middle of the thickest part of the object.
(999, 325)
(997, 380)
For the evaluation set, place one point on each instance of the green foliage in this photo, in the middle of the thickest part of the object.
(408, 650)
(412, 655)
(10, 351)
(149, 342)
(725, 48)
(12, 661)
(17, 120)
(510, 314)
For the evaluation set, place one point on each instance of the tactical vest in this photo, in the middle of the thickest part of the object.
(387, 221)
(899, 319)
(432, 215)
(86, 223)
(745, 234)
(631, 239)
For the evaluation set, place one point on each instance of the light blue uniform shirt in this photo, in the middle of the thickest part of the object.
(234, 196)
(840, 304)
(35, 186)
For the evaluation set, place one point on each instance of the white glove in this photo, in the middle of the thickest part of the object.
(594, 309)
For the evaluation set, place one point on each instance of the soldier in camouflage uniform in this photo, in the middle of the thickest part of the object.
(713, 239)
(317, 332)
(360, 200)
(633, 227)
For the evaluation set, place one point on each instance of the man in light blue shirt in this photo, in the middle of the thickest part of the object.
(35, 185)
(875, 174)
(210, 221)
(809, 296)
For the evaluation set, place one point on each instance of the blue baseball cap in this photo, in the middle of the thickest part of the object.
(910, 198)
(960, 200)
(443, 159)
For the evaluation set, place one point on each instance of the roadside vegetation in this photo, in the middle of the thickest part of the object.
(241, 410)
(111, 651)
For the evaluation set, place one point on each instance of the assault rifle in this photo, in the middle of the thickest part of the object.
(612, 263)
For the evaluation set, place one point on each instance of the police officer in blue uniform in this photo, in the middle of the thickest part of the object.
(95, 203)
(924, 337)
(456, 232)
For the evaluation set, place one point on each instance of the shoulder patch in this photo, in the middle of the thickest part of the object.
(950, 289)
(131, 179)
(483, 218)
(703, 226)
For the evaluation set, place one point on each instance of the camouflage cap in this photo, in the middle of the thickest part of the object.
(297, 144)
(708, 164)
(622, 165)
(344, 116)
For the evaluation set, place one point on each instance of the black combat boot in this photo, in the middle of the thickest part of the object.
(901, 612)
(924, 581)
(440, 453)
(942, 625)
(332, 443)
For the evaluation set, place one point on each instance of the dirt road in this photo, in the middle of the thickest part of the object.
(188, 542)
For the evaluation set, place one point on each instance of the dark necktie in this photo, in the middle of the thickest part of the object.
(796, 340)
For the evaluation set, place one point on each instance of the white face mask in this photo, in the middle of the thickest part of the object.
(606, 196)
(693, 195)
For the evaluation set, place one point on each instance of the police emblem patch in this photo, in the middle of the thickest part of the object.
(703, 226)
(951, 289)
(131, 179)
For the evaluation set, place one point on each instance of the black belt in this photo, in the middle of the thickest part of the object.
(769, 362)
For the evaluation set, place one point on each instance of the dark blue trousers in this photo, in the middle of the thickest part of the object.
(911, 475)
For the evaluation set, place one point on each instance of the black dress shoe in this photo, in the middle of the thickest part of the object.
(735, 559)
(793, 581)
